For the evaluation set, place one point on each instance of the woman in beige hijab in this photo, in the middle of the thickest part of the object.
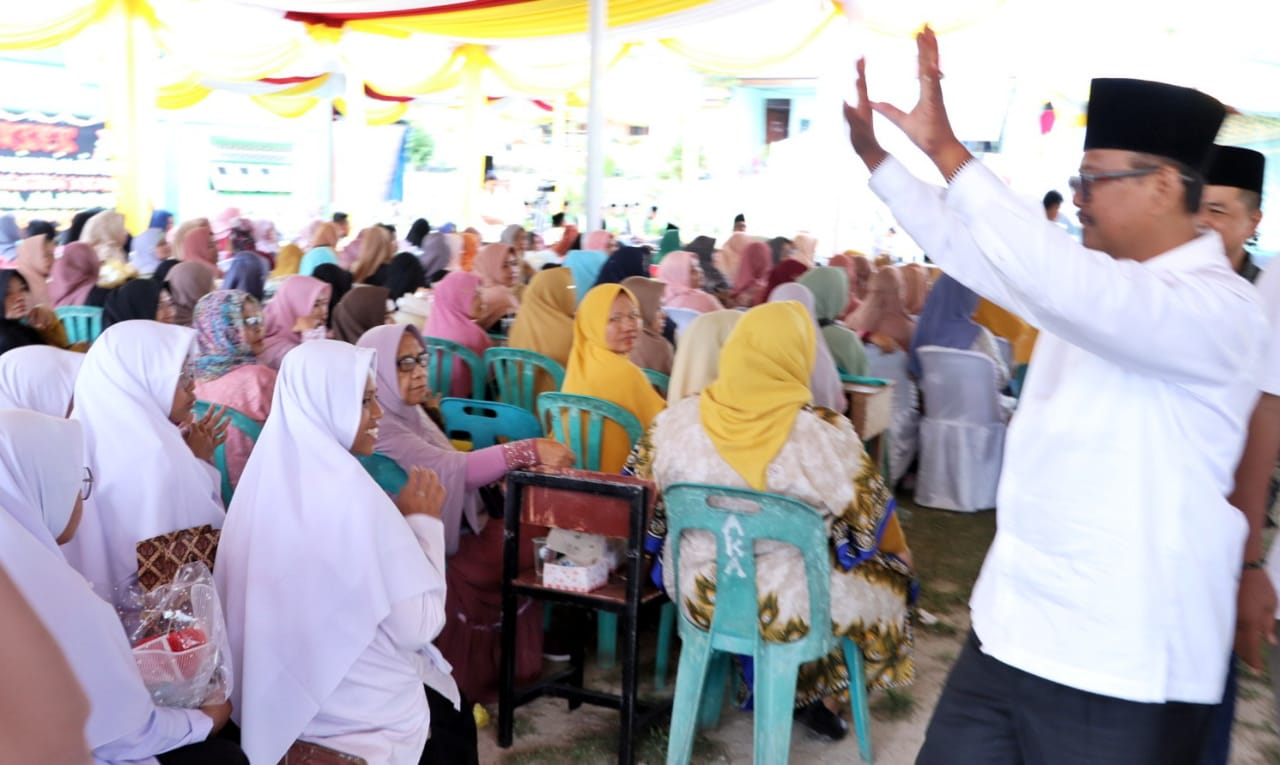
(106, 234)
(377, 248)
(915, 281)
(652, 350)
(697, 362)
(882, 317)
(806, 249)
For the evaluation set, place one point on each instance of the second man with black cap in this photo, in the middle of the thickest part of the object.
(1232, 203)
(1104, 613)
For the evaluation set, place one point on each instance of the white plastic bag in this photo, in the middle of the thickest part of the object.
(179, 639)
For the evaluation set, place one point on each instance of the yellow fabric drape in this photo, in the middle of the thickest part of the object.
(536, 18)
(720, 64)
(765, 365)
(594, 370)
(892, 18)
(1021, 335)
(54, 23)
(181, 95)
(377, 112)
(288, 107)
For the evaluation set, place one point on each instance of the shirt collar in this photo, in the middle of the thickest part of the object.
(1204, 250)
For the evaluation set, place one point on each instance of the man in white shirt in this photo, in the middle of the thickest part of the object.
(1104, 613)
(1232, 203)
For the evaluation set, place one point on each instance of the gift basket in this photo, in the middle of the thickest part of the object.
(179, 640)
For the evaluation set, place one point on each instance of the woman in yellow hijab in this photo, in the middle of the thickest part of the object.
(754, 427)
(604, 332)
(544, 322)
(287, 261)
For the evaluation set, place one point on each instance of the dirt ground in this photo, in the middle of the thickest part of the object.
(948, 550)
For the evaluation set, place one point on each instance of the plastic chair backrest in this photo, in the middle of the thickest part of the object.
(486, 423)
(659, 380)
(737, 518)
(568, 412)
(442, 354)
(515, 371)
(681, 316)
(387, 472)
(82, 322)
(241, 422)
(959, 386)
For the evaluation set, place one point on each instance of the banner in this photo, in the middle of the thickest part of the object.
(52, 166)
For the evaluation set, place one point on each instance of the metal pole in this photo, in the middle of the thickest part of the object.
(595, 116)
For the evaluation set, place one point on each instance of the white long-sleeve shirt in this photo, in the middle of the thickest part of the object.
(379, 710)
(1116, 555)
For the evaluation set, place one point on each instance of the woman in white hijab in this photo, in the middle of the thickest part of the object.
(132, 395)
(697, 362)
(39, 377)
(825, 382)
(333, 592)
(42, 486)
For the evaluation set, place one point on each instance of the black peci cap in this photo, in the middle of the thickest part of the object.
(1234, 166)
(1153, 118)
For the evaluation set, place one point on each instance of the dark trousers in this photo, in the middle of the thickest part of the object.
(994, 714)
(1217, 749)
(215, 751)
(453, 733)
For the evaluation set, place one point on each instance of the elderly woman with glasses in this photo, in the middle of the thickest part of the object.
(229, 332)
(408, 435)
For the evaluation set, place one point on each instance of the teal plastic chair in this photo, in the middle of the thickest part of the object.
(565, 413)
(486, 423)
(858, 380)
(387, 472)
(442, 353)
(735, 627)
(82, 322)
(241, 422)
(659, 380)
(515, 372)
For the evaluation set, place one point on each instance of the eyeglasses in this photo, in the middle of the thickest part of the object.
(635, 317)
(1082, 184)
(86, 487)
(252, 322)
(408, 363)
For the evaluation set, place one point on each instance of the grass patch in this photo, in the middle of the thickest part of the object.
(650, 747)
(948, 550)
(940, 628)
(523, 727)
(894, 705)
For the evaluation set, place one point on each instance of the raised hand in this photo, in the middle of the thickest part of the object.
(422, 494)
(208, 433)
(862, 133)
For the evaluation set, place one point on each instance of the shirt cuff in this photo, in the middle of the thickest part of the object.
(520, 454)
(973, 188)
(891, 178)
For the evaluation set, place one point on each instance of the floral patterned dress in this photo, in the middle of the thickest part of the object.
(823, 464)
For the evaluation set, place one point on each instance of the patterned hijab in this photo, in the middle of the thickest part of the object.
(220, 342)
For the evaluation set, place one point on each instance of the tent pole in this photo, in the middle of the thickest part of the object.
(473, 154)
(595, 116)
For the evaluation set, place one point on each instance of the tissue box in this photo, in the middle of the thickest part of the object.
(576, 578)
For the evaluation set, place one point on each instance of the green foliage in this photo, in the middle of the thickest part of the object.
(419, 148)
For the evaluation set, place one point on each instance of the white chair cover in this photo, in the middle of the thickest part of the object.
(904, 438)
(1006, 351)
(962, 431)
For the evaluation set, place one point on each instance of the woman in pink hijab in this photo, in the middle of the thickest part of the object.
(846, 263)
(497, 265)
(598, 241)
(683, 275)
(74, 275)
(752, 276)
(881, 318)
(729, 258)
(916, 282)
(297, 313)
(473, 543)
(198, 247)
(454, 311)
(34, 262)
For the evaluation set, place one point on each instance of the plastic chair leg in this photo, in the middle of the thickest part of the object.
(606, 639)
(666, 625)
(775, 700)
(691, 679)
(858, 697)
(713, 691)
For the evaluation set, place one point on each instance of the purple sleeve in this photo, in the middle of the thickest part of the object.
(491, 464)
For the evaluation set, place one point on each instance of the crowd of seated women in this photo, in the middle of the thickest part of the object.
(368, 622)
